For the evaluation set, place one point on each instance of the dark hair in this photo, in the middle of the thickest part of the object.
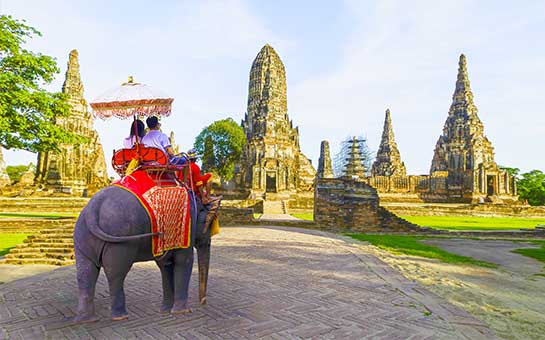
(152, 122)
(140, 129)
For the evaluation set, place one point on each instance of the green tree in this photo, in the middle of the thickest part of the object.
(16, 171)
(511, 171)
(531, 187)
(27, 111)
(227, 139)
(208, 157)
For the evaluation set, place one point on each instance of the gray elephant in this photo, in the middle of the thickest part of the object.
(113, 231)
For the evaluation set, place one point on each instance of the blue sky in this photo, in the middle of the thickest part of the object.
(346, 62)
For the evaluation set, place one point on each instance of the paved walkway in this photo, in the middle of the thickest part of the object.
(276, 283)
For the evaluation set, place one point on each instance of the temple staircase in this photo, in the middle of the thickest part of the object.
(53, 246)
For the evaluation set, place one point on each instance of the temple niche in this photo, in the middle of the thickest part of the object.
(272, 164)
(77, 169)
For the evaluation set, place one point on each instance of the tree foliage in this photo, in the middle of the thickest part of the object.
(221, 145)
(15, 172)
(531, 187)
(27, 111)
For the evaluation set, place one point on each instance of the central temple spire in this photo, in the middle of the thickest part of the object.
(271, 160)
(267, 87)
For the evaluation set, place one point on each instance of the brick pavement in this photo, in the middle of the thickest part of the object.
(265, 282)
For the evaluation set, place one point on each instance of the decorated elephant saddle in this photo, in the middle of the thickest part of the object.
(167, 204)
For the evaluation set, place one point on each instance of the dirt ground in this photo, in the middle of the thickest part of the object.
(510, 299)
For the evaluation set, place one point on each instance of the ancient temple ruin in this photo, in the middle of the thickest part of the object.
(388, 160)
(272, 164)
(325, 169)
(463, 167)
(464, 154)
(77, 169)
(353, 160)
(4, 178)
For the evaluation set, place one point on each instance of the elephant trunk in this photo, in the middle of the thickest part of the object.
(203, 254)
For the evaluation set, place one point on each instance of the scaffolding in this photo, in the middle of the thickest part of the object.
(354, 153)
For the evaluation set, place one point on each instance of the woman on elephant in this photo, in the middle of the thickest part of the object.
(136, 134)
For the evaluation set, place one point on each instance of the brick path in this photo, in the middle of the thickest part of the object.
(276, 283)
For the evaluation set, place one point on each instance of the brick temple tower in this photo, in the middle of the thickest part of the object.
(77, 168)
(464, 155)
(388, 161)
(325, 169)
(272, 163)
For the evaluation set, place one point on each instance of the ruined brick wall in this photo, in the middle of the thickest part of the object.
(349, 205)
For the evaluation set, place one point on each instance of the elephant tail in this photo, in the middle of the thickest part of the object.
(92, 224)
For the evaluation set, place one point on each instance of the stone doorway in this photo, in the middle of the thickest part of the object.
(270, 183)
(490, 185)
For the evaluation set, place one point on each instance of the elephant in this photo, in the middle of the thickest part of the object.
(113, 231)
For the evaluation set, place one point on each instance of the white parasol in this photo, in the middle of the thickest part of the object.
(132, 99)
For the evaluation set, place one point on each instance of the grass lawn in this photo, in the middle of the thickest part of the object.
(536, 253)
(256, 216)
(474, 222)
(463, 222)
(304, 216)
(410, 245)
(8, 241)
(38, 215)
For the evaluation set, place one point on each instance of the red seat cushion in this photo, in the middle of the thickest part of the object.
(146, 155)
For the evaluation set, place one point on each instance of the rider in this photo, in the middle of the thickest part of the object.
(135, 134)
(200, 184)
(155, 138)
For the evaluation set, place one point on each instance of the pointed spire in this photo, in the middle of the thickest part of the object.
(462, 93)
(388, 161)
(324, 163)
(73, 86)
(388, 131)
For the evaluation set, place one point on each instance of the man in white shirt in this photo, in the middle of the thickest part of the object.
(156, 139)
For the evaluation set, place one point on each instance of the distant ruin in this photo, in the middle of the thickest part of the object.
(463, 169)
(77, 170)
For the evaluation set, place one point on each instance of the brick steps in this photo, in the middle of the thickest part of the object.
(54, 246)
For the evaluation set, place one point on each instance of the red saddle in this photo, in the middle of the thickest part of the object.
(149, 158)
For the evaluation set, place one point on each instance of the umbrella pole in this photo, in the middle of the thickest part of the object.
(137, 137)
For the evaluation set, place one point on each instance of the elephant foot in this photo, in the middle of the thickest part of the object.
(181, 309)
(84, 319)
(165, 309)
(203, 300)
(120, 317)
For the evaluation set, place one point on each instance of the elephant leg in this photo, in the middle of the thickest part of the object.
(87, 275)
(117, 261)
(167, 276)
(183, 266)
(203, 256)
